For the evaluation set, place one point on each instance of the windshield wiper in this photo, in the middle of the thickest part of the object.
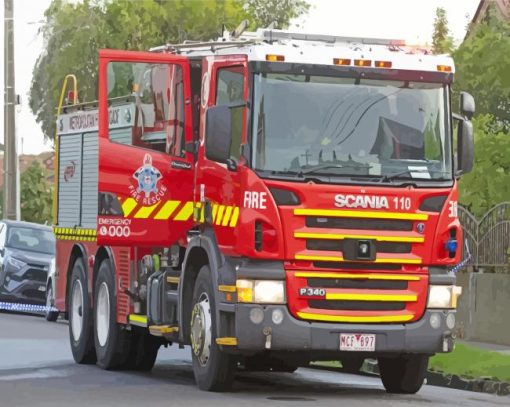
(326, 166)
(387, 178)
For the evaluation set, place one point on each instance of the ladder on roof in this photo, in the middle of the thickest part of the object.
(270, 36)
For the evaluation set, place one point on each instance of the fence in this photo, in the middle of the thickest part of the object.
(489, 238)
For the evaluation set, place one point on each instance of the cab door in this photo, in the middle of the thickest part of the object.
(145, 174)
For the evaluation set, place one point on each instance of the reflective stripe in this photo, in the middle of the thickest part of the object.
(334, 236)
(219, 216)
(392, 277)
(145, 211)
(338, 258)
(226, 217)
(214, 212)
(235, 217)
(360, 214)
(128, 205)
(371, 297)
(227, 288)
(138, 319)
(185, 213)
(226, 341)
(167, 209)
(351, 318)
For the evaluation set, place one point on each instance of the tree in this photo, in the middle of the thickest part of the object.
(442, 41)
(36, 195)
(483, 68)
(75, 30)
(488, 183)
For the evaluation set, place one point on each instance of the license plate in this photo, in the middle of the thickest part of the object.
(42, 288)
(357, 342)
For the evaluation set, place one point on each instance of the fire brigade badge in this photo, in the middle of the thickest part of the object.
(147, 176)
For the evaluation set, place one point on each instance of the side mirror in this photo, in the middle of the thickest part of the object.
(465, 147)
(218, 136)
(467, 105)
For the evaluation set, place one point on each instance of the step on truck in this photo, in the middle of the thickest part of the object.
(269, 199)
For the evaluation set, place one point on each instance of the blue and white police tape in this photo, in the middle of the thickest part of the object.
(463, 262)
(14, 306)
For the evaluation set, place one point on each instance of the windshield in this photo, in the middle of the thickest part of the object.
(33, 240)
(324, 125)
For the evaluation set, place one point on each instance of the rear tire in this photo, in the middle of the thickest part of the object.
(50, 314)
(143, 353)
(405, 374)
(81, 335)
(213, 369)
(111, 341)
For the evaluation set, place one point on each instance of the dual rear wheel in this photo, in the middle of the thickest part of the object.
(94, 332)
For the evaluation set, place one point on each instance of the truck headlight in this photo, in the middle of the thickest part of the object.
(443, 296)
(16, 264)
(261, 291)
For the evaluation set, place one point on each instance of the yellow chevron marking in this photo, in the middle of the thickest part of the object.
(370, 297)
(145, 211)
(226, 217)
(361, 214)
(333, 236)
(214, 212)
(128, 205)
(393, 277)
(350, 318)
(219, 216)
(166, 211)
(185, 213)
(235, 216)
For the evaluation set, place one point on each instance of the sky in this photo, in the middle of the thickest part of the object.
(411, 20)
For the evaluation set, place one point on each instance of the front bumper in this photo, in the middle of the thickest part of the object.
(28, 291)
(297, 335)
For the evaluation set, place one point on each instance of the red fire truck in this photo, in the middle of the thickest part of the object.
(269, 199)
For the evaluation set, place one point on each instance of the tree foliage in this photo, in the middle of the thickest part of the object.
(75, 30)
(36, 195)
(442, 41)
(483, 68)
(489, 182)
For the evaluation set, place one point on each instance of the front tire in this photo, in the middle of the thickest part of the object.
(80, 316)
(213, 369)
(50, 314)
(405, 374)
(111, 341)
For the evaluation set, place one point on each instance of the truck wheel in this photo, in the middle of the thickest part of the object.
(143, 354)
(80, 316)
(404, 374)
(111, 341)
(213, 369)
(352, 365)
(50, 314)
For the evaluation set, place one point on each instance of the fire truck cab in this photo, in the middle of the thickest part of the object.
(269, 199)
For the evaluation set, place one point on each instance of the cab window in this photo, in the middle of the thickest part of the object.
(229, 92)
(157, 93)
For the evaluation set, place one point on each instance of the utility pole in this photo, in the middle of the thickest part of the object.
(10, 153)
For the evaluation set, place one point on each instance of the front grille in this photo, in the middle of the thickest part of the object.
(35, 275)
(338, 245)
(340, 265)
(359, 224)
(357, 305)
(357, 284)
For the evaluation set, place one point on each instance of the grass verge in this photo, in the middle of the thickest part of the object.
(472, 362)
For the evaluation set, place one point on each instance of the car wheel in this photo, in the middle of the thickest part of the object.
(213, 369)
(112, 343)
(50, 314)
(80, 316)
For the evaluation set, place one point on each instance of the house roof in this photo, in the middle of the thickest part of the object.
(503, 6)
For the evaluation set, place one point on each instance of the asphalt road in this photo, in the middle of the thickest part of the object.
(37, 369)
